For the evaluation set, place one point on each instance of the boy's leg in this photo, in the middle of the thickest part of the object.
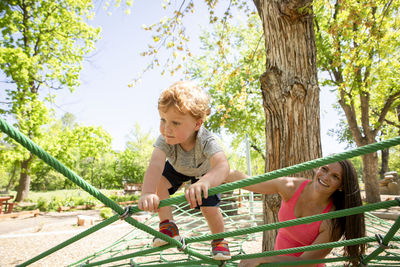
(164, 213)
(214, 219)
(167, 226)
(220, 248)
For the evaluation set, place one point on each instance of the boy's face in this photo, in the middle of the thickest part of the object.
(178, 128)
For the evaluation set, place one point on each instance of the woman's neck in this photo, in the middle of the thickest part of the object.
(311, 194)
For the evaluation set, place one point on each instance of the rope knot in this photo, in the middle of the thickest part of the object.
(183, 247)
(126, 213)
(380, 241)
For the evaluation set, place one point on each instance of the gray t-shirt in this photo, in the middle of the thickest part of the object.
(195, 162)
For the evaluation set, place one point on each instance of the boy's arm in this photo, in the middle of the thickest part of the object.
(149, 200)
(219, 169)
(214, 177)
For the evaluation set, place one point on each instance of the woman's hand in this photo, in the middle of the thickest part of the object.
(249, 262)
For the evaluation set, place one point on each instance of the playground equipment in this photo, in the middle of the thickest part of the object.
(125, 253)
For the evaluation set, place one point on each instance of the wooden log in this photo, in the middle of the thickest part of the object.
(20, 214)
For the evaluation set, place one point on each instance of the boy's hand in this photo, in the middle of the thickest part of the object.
(193, 193)
(149, 202)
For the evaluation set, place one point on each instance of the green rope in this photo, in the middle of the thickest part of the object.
(148, 251)
(27, 143)
(71, 240)
(343, 243)
(32, 147)
(384, 241)
(305, 166)
(303, 220)
(51, 161)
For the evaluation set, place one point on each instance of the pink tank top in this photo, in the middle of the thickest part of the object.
(298, 235)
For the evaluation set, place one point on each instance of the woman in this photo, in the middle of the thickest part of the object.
(334, 187)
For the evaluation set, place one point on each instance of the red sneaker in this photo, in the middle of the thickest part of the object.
(220, 250)
(168, 228)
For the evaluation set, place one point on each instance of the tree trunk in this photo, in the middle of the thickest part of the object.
(362, 138)
(24, 180)
(398, 114)
(271, 206)
(384, 162)
(370, 173)
(290, 92)
(11, 181)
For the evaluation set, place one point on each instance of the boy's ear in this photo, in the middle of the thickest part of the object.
(199, 122)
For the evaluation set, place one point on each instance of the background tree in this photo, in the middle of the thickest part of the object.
(358, 46)
(9, 168)
(84, 149)
(42, 46)
(133, 161)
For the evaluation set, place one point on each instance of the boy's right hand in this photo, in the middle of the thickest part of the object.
(149, 202)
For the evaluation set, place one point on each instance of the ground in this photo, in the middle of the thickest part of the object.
(25, 237)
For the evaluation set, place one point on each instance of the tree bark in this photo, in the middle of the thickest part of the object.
(384, 162)
(370, 173)
(362, 138)
(290, 92)
(24, 180)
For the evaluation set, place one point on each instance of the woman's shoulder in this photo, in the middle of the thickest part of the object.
(293, 182)
(290, 186)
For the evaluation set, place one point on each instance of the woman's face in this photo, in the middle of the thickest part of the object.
(329, 178)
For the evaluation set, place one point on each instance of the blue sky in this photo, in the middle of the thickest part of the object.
(104, 98)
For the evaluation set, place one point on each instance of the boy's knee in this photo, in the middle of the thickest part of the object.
(209, 211)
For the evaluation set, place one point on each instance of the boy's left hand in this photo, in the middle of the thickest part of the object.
(193, 193)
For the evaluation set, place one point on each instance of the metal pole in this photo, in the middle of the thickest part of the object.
(251, 195)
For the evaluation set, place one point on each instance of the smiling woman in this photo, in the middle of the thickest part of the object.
(334, 187)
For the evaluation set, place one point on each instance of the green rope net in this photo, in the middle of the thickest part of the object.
(242, 218)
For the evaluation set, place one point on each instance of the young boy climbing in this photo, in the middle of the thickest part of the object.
(185, 151)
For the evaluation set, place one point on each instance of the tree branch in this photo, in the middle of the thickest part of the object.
(351, 118)
(385, 109)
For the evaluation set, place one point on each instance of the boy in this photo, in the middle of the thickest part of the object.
(185, 151)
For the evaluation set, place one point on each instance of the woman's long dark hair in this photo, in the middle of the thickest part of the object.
(353, 226)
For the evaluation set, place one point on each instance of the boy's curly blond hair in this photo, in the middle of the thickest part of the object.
(186, 97)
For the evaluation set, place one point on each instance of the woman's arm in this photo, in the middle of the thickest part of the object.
(284, 186)
(324, 236)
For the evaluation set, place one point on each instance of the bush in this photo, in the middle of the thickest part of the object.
(42, 204)
(106, 213)
(123, 198)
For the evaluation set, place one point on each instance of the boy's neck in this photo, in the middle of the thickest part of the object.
(189, 145)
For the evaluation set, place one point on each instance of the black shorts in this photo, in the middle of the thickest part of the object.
(176, 179)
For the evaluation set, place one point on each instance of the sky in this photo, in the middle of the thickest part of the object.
(104, 98)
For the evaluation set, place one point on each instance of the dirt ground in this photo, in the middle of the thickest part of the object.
(26, 237)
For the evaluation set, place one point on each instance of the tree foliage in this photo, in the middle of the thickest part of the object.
(41, 47)
(233, 80)
(169, 47)
(358, 46)
(133, 161)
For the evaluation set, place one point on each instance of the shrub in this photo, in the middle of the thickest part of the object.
(106, 213)
(42, 204)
